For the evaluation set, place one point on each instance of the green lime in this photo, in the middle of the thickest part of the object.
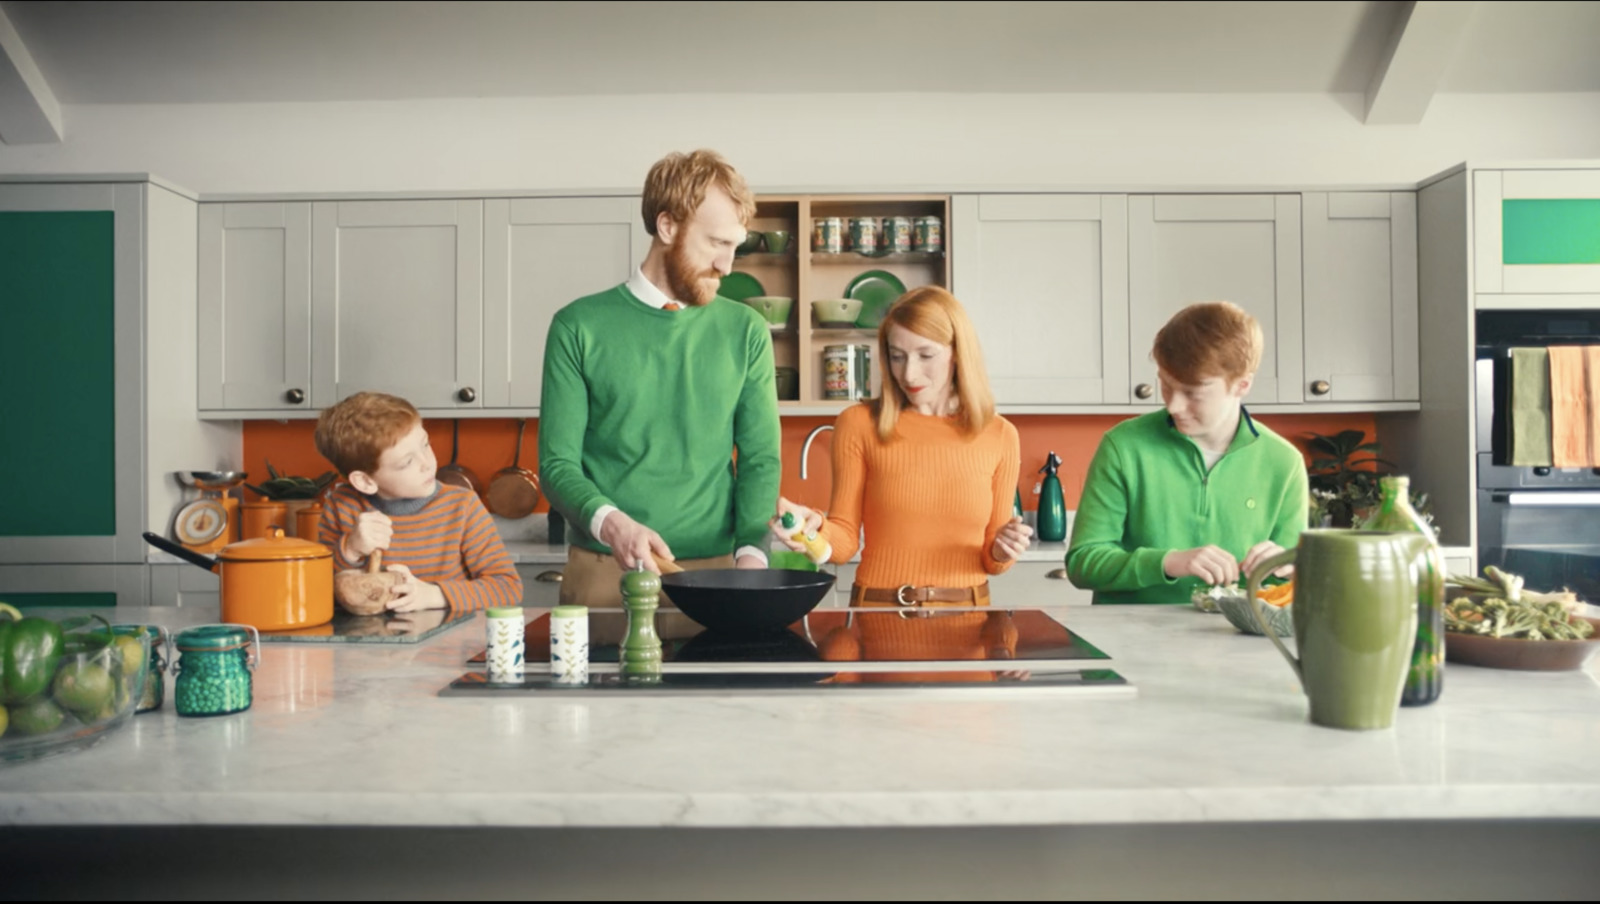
(39, 717)
(132, 653)
(83, 687)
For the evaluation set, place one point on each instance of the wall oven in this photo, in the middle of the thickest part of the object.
(1538, 521)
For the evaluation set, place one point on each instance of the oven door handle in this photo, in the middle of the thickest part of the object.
(1588, 499)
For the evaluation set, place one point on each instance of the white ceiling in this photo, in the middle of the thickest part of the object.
(222, 52)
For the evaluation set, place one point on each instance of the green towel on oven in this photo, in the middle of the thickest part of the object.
(1530, 407)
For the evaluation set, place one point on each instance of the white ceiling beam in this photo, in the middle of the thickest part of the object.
(29, 112)
(1425, 39)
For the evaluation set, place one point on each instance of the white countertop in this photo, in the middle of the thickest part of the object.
(1217, 732)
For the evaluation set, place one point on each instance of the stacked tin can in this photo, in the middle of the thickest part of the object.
(504, 657)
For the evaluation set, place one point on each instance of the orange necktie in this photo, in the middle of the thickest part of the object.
(671, 306)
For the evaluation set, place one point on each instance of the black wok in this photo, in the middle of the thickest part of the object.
(746, 601)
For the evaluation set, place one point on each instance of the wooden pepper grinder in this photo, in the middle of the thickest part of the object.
(641, 648)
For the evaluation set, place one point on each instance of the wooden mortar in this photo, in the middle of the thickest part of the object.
(366, 592)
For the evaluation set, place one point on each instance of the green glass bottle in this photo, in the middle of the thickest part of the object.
(1425, 678)
(1052, 505)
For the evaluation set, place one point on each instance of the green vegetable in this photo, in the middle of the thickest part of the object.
(1502, 618)
(30, 653)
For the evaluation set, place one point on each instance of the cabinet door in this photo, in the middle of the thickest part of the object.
(72, 366)
(75, 585)
(541, 254)
(397, 301)
(1045, 279)
(1360, 297)
(1537, 232)
(1245, 249)
(255, 306)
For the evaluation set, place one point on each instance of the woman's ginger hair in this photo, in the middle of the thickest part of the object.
(1209, 339)
(933, 313)
(678, 182)
(355, 433)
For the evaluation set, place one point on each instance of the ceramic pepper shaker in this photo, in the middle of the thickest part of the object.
(641, 647)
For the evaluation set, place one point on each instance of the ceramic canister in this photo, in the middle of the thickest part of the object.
(504, 656)
(569, 644)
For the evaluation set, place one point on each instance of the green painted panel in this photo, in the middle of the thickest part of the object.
(45, 600)
(57, 387)
(1550, 231)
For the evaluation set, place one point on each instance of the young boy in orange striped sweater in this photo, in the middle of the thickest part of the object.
(439, 537)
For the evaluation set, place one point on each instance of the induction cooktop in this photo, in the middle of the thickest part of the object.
(986, 685)
(871, 638)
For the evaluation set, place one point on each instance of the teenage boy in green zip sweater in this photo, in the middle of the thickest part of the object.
(650, 390)
(1197, 494)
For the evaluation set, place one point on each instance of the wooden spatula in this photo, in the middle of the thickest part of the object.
(365, 592)
(666, 566)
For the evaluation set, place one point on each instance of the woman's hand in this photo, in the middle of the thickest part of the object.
(805, 519)
(1012, 541)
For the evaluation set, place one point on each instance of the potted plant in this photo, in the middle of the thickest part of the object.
(1344, 474)
(294, 492)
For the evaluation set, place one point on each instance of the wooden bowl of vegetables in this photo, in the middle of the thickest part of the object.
(1494, 623)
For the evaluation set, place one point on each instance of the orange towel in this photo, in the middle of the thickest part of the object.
(1575, 406)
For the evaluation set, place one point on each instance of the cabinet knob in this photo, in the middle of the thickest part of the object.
(467, 394)
(295, 396)
(1059, 574)
(549, 577)
(1320, 387)
(1144, 390)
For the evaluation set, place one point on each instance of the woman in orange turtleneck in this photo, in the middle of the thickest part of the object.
(927, 471)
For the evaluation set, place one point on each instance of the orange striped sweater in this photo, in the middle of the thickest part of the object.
(930, 500)
(451, 542)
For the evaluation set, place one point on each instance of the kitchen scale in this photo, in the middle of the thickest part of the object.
(955, 649)
(208, 523)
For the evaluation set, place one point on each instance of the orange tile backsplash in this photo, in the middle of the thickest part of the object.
(487, 445)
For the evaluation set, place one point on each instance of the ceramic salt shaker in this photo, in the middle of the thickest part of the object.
(569, 645)
(504, 657)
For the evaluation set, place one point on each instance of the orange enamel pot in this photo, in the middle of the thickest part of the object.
(271, 583)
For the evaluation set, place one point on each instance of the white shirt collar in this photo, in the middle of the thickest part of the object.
(646, 291)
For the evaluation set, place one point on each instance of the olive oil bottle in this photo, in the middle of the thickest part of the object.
(1425, 677)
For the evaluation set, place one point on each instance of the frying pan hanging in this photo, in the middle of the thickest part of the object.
(456, 474)
(514, 491)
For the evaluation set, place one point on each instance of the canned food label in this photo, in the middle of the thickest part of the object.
(927, 237)
(828, 236)
(896, 234)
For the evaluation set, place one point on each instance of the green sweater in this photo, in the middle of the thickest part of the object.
(643, 409)
(1148, 493)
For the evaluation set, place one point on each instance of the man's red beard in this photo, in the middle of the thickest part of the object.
(688, 285)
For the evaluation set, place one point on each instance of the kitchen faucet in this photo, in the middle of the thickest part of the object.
(805, 450)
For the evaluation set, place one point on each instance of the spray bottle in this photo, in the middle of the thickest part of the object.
(1052, 504)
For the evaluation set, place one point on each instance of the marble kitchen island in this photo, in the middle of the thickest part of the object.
(350, 776)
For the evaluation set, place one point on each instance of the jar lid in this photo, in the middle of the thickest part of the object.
(570, 611)
(275, 547)
(213, 638)
(506, 612)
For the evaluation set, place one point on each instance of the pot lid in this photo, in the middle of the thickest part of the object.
(274, 547)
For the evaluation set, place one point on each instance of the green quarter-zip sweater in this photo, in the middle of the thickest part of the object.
(1148, 493)
(643, 408)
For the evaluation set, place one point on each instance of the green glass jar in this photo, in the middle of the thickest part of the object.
(213, 669)
(154, 693)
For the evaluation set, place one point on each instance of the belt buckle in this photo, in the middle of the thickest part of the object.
(912, 608)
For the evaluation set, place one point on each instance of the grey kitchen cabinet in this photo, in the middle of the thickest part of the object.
(1534, 238)
(539, 255)
(255, 306)
(1360, 264)
(1045, 280)
(100, 585)
(1184, 249)
(184, 585)
(397, 301)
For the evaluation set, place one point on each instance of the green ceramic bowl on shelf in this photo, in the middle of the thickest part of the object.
(772, 308)
(837, 313)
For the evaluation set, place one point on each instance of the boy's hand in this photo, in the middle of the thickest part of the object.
(1012, 541)
(411, 594)
(372, 531)
(1211, 564)
(1260, 553)
(632, 542)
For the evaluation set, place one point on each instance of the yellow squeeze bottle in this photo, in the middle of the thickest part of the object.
(816, 547)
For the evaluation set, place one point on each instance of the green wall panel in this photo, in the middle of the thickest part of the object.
(57, 389)
(1550, 231)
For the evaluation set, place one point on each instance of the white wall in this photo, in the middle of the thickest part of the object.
(810, 141)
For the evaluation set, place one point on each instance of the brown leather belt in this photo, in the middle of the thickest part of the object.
(907, 595)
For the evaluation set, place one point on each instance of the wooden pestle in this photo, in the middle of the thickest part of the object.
(365, 592)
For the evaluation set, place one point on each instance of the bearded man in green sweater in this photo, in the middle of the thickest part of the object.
(650, 390)
(1199, 493)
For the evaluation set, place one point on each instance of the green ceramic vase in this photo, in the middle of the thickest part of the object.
(1355, 620)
